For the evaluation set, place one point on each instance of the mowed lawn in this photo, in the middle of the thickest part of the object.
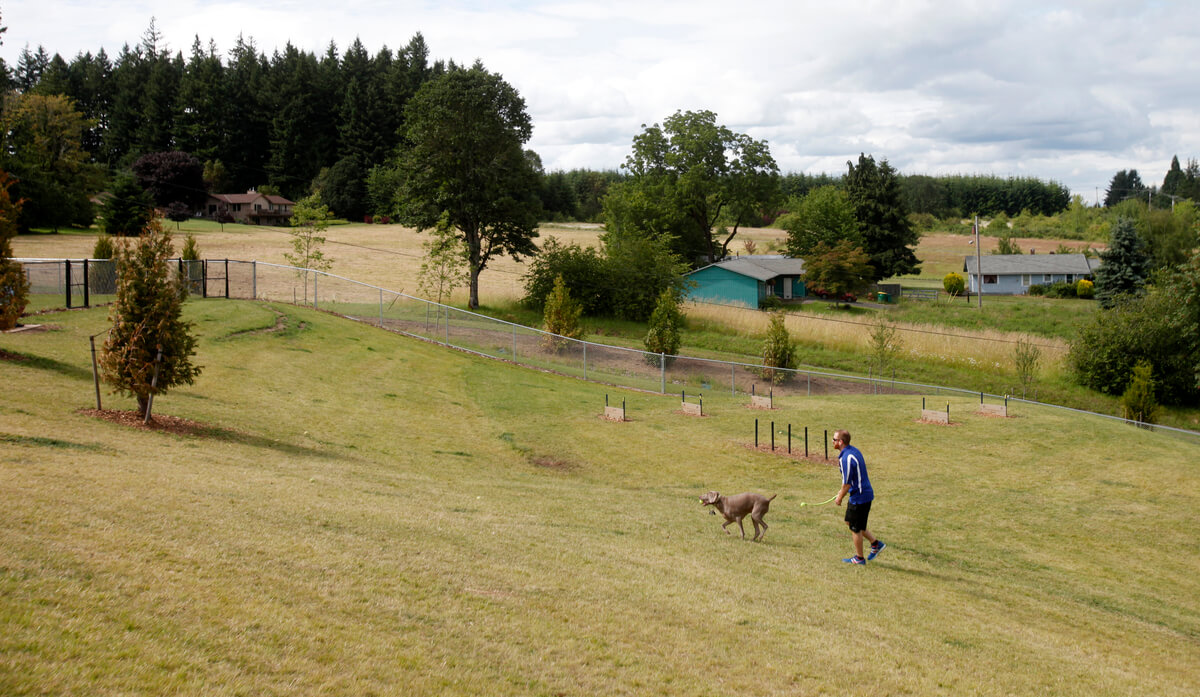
(364, 513)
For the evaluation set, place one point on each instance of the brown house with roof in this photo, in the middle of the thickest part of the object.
(251, 207)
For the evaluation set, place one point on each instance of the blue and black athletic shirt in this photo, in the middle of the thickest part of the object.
(854, 473)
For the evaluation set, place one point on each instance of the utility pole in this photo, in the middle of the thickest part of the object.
(978, 264)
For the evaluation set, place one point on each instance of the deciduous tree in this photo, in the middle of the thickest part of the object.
(171, 177)
(840, 269)
(467, 129)
(826, 215)
(686, 177)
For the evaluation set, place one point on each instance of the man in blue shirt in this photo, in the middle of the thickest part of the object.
(855, 483)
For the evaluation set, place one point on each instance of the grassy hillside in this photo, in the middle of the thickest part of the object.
(367, 514)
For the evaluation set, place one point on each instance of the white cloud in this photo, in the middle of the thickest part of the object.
(1066, 90)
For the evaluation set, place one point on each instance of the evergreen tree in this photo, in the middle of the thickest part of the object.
(1124, 185)
(887, 234)
(147, 318)
(128, 210)
(248, 112)
(296, 129)
(200, 104)
(1174, 177)
(561, 318)
(1138, 402)
(665, 323)
(14, 287)
(1125, 266)
(779, 351)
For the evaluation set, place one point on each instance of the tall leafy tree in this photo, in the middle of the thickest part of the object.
(1125, 268)
(301, 123)
(689, 175)
(467, 130)
(887, 234)
(838, 269)
(40, 145)
(147, 318)
(826, 215)
(171, 177)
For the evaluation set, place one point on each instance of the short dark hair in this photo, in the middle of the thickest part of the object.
(843, 435)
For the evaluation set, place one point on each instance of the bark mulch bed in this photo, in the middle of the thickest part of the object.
(158, 422)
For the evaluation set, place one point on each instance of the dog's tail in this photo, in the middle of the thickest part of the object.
(772, 498)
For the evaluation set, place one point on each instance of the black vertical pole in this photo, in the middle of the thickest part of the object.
(86, 299)
(204, 279)
(806, 441)
(226, 278)
(606, 401)
(772, 436)
(755, 433)
(67, 262)
(826, 444)
(789, 439)
(701, 405)
(95, 371)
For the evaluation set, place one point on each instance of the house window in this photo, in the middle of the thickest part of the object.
(1070, 278)
(237, 208)
(1025, 280)
(989, 278)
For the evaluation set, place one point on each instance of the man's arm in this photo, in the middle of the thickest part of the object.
(842, 493)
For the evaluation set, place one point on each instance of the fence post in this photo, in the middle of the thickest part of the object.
(662, 372)
(381, 308)
(315, 274)
(585, 360)
(95, 371)
(67, 285)
(204, 278)
(226, 279)
(254, 279)
(86, 299)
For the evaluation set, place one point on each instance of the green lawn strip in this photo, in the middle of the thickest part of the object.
(462, 526)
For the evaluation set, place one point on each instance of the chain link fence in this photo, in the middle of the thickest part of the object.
(93, 281)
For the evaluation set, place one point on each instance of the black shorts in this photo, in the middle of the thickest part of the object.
(856, 515)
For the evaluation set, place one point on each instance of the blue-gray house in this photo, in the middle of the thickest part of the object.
(1012, 274)
(746, 280)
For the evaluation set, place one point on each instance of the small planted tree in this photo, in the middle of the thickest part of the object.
(310, 219)
(954, 284)
(1138, 403)
(665, 321)
(102, 276)
(885, 346)
(838, 270)
(561, 317)
(224, 216)
(192, 264)
(445, 265)
(779, 351)
(14, 287)
(1027, 357)
(178, 211)
(147, 319)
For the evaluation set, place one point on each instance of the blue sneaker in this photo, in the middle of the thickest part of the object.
(855, 560)
(876, 548)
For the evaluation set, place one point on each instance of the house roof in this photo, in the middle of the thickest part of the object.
(1008, 264)
(761, 267)
(251, 197)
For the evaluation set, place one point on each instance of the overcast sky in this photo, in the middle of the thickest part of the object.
(1070, 91)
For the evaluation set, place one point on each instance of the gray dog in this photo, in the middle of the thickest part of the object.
(737, 507)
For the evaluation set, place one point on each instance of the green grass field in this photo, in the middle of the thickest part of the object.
(364, 513)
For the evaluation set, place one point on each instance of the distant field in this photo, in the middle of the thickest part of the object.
(362, 513)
